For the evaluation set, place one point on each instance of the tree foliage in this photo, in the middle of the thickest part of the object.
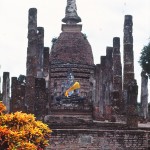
(20, 131)
(145, 59)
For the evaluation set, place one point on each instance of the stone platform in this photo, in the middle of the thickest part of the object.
(99, 135)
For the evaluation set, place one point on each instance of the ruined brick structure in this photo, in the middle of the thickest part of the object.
(6, 90)
(128, 70)
(17, 94)
(102, 113)
(144, 96)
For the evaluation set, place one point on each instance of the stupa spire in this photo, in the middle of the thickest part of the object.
(71, 16)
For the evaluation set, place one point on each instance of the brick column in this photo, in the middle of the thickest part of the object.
(109, 75)
(97, 95)
(128, 59)
(46, 61)
(31, 72)
(132, 114)
(101, 101)
(14, 83)
(144, 95)
(6, 90)
(117, 76)
(103, 84)
(32, 43)
(39, 52)
(30, 94)
(40, 98)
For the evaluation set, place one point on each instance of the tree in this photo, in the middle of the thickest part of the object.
(145, 59)
(20, 131)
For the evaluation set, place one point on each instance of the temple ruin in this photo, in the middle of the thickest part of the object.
(99, 110)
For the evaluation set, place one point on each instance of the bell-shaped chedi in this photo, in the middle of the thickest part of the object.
(72, 45)
(70, 50)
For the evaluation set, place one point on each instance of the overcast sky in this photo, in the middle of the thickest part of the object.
(101, 19)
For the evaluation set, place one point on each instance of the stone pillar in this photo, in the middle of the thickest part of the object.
(31, 72)
(93, 87)
(0, 86)
(109, 74)
(40, 98)
(96, 112)
(101, 102)
(21, 97)
(6, 91)
(0, 90)
(144, 95)
(30, 94)
(14, 83)
(128, 59)
(109, 62)
(32, 43)
(132, 114)
(97, 72)
(46, 65)
(18, 93)
(50, 97)
(117, 76)
(103, 84)
(39, 53)
(46, 69)
(46, 60)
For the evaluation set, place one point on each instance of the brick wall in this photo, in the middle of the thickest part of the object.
(91, 139)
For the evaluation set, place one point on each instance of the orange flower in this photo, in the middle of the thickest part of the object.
(2, 107)
(22, 132)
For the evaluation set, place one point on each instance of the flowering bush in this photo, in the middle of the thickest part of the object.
(20, 131)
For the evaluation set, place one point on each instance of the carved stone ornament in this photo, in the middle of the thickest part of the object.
(71, 16)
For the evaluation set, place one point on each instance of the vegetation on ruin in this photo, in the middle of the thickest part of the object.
(21, 131)
(84, 36)
(145, 59)
(54, 40)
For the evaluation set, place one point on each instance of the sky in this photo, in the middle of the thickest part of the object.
(101, 19)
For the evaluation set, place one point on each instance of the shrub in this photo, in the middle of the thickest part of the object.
(21, 131)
